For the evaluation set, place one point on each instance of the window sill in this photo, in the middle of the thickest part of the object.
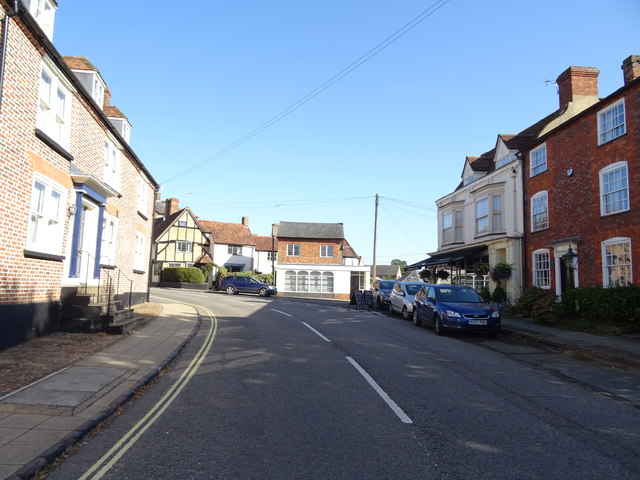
(43, 256)
(602, 144)
(143, 215)
(612, 214)
(55, 146)
(139, 272)
(108, 267)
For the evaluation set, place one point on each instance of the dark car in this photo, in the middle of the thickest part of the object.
(454, 308)
(234, 284)
(381, 289)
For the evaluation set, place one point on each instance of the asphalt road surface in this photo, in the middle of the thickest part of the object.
(277, 388)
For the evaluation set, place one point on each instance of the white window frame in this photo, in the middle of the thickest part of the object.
(43, 12)
(54, 107)
(538, 160)
(623, 271)
(612, 122)
(326, 251)
(614, 201)
(138, 261)
(447, 228)
(497, 213)
(183, 246)
(482, 222)
(109, 240)
(142, 195)
(46, 216)
(541, 268)
(293, 249)
(234, 249)
(543, 194)
(111, 164)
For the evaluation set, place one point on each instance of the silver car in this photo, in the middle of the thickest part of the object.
(401, 298)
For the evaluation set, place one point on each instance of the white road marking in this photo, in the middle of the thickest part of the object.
(316, 332)
(283, 313)
(393, 405)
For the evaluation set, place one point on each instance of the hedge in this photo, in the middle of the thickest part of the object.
(183, 274)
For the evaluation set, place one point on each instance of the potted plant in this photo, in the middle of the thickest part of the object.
(480, 268)
(501, 271)
(425, 275)
(443, 276)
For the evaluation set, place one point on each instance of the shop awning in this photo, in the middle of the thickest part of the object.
(447, 258)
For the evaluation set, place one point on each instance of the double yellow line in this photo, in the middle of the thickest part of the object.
(110, 458)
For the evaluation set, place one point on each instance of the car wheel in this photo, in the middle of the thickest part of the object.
(438, 326)
(405, 314)
(416, 321)
(231, 290)
(263, 292)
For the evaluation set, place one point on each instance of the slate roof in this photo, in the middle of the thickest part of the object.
(113, 111)
(311, 230)
(228, 233)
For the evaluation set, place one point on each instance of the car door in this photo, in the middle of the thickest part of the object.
(397, 298)
(430, 304)
(419, 303)
(242, 284)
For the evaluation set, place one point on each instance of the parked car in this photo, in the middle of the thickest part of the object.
(381, 289)
(401, 298)
(234, 284)
(454, 308)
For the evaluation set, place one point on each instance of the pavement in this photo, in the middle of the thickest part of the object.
(42, 420)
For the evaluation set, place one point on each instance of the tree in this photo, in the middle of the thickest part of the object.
(401, 263)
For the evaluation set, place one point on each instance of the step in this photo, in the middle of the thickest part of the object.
(125, 326)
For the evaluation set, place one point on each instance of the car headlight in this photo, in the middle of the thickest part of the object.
(452, 314)
(495, 314)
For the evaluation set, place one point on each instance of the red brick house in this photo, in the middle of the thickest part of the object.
(582, 186)
(77, 202)
(315, 260)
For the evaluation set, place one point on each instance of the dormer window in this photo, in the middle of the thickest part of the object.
(472, 178)
(504, 160)
(93, 83)
(43, 11)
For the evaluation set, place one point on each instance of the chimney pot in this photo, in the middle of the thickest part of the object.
(245, 222)
(631, 68)
(174, 205)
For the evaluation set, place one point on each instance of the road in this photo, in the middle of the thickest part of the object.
(304, 389)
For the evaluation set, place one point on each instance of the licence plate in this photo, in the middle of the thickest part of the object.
(477, 322)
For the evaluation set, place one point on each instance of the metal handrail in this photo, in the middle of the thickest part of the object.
(108, 270)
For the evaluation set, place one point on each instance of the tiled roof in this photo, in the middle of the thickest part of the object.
(228, 233)
(80, 63)
(113, 111)
(310, 230)
(160, 225)
(263, 244)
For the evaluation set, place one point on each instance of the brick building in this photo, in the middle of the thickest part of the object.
(76, 204)
(582, 186)
(314, 259)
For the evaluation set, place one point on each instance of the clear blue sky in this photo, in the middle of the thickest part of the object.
(196, 77)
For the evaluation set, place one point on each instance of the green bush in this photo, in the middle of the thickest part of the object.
(547, 309)
(183, 274)
(485, 294)
(499, 295)
(524, 304)
(614, 305)
(265, 278)
(206, 270)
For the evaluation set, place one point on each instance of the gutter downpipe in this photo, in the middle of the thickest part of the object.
(5, 41)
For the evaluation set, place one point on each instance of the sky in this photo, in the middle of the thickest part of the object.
(303, 111)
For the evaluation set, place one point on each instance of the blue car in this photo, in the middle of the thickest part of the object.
(234, 284)
(454, 308)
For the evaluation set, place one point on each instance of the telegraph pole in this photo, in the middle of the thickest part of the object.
(375, 239)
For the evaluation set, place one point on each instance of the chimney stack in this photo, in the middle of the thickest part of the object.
(173, 204)
(631, 68)
(245, 222)
(578, 85)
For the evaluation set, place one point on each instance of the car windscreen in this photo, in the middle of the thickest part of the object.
(387, 285)
(462, 295)
(413, 289)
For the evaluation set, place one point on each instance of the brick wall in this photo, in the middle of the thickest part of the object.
(573, 184)
(309, 251)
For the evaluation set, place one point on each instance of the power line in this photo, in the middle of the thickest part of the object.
(321, 88)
